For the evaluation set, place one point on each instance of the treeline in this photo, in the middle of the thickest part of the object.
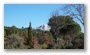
(65, 33)
(22, 38)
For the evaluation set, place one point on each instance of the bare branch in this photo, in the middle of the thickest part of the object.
(75, 10)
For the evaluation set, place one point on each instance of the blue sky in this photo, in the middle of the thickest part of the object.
(21, 14)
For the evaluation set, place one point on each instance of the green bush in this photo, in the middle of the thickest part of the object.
(13, 42)
(44, 46)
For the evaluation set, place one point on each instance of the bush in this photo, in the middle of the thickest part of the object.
(61, 43)
(44, 46)
(13, 42)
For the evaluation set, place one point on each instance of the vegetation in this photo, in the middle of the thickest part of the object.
(65, 33)
(30, 36)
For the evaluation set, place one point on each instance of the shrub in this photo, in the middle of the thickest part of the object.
(44, 46)
(13, 42)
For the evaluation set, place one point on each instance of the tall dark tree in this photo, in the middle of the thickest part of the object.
(63, 26)
(30, 35)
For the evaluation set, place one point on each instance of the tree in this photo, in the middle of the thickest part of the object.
(30, 35)
(78, 41)
(63, 27)
(7, 30)
(10, 30)
(76, 11)
(14, 30)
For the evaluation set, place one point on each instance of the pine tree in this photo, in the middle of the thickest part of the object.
(30, 35)
(62, 27)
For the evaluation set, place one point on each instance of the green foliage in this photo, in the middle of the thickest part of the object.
(37, 47)
(78, 42)
(7, 30)
(13, 42)
(60, 23)
(14, 30)
(4, 32)
(51, 37)
(65, 33)
(64, 27)
(44, 46)
(40, 34)
(10, 30)
(61, 43)
(30, 35)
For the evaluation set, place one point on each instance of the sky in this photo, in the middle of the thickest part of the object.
(21, 14)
